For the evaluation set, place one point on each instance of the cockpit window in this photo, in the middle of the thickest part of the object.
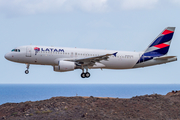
(15, 50)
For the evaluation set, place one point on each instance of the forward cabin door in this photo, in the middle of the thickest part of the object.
(28, 51)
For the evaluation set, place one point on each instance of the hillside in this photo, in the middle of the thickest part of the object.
(78, 108)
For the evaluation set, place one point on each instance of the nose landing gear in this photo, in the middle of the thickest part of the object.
(27, 66)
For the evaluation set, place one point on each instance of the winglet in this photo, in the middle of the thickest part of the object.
(115, 54)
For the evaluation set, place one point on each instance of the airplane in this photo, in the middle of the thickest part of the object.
(68, 59)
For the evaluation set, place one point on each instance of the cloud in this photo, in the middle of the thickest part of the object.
(31, 6)
(138, 4)
(44, 6)
(9, 7)
(93, 5)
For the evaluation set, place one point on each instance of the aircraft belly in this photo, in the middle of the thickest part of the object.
(42, 60)
(120, 63)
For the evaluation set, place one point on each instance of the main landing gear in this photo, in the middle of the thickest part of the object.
(27, 66)
(85, 75)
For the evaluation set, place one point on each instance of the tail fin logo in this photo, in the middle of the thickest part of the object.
(37, 49)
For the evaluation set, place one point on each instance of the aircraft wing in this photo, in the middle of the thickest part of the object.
(92, 60)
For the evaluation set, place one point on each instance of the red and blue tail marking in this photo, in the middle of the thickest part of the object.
(159, 46)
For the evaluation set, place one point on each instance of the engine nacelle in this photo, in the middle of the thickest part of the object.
(64, 66)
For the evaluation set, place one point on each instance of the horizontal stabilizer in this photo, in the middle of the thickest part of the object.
(164, 58)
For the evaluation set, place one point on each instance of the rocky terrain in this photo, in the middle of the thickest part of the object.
(147, 107)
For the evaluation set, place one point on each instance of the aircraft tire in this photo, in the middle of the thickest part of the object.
(87, 74)
(83, 75)
(27, 71)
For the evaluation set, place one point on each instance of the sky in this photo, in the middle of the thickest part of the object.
(127, 25)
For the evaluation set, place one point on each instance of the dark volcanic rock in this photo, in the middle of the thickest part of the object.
(146, 107)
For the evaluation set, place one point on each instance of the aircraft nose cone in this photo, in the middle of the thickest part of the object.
(7, 56)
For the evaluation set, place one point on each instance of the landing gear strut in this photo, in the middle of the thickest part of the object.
(27, 66)
(85, 75)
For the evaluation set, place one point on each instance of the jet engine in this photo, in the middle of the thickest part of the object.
(65, 66)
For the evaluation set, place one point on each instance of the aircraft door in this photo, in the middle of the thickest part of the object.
(28, 51)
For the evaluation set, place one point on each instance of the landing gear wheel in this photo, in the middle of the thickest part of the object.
(83, 75)
(87, 74)
(27, 71)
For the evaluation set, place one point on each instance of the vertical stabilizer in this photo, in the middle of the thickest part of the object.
(159, 46)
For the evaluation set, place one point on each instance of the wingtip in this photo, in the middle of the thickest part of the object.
(115, 54)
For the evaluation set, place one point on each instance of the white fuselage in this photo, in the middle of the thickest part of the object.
(51, 56)
(67, 59)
